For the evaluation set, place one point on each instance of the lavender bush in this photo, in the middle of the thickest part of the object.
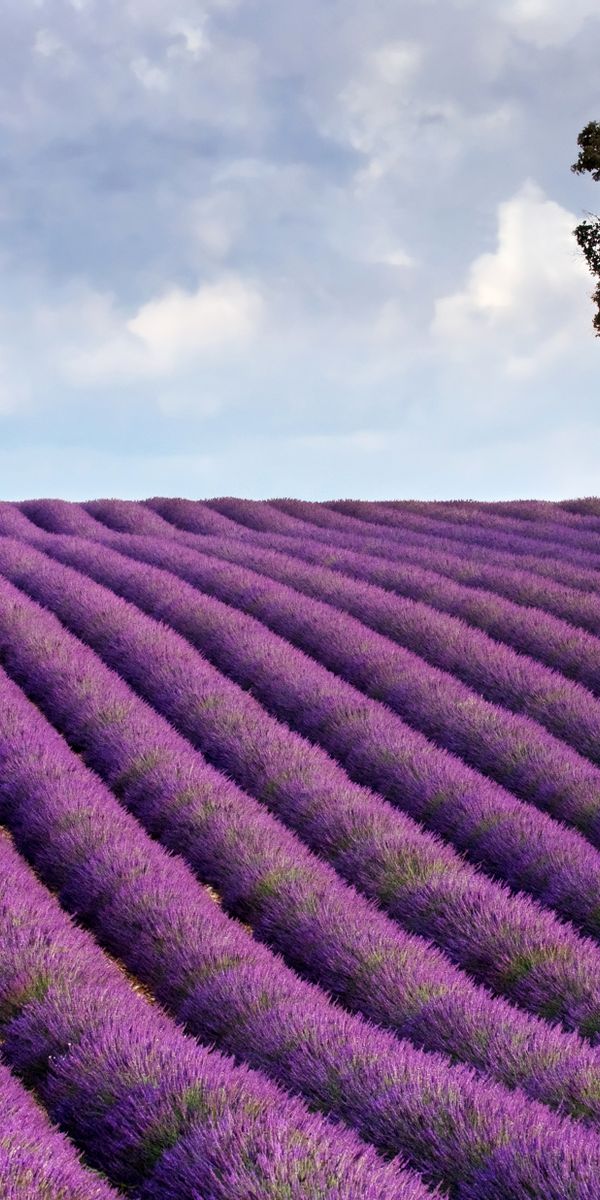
(564, 872)
(36, 1161)
(516, 947)
(129, 1085)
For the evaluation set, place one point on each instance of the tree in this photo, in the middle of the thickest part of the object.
(587, 234)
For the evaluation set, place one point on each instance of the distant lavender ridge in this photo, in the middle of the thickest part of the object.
(320, 784)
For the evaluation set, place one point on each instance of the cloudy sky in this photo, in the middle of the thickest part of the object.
(261, 247)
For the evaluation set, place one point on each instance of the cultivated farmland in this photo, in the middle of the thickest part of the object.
(299, 850)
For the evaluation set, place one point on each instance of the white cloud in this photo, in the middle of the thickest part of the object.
(166, 334)
(547, 22)
(215, 222)
(149, 75)
(192, 40)
(369, 107)
(47, 43)
(525, 304)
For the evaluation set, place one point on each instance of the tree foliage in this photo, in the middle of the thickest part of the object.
(587, 233)
(589, 151)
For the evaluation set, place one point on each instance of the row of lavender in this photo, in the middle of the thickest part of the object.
(483, 736)
(298, 518)
(511, 573)
(36, 1161)
(552, 640)
(586, 1085)
(514, 749)
(226, 989)
(509, 942)
(146, 907)
(518, 753)
(557, 516)
(527, 848)
(149, 1106)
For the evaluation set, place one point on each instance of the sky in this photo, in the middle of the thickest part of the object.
(320, 249)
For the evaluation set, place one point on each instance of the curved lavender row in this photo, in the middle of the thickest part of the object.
(502, 676)
(128, 1084)
(14, 523)
(36, 1161)
(529, 511)
(291, 898)
(586, 505)
(455, 585)
(518, 948)
(482, 520)
(146, 907)
(513, 749)
(61, 516)
(128, 516)
(195, 516)
(429, 784)
(344, 531)
(314, 522)
(390, 528)
(375, 515)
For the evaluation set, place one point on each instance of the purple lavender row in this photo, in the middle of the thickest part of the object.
(36, 1161)
(531, 511)
(513, 681)
(195, 516)
(587, 506)
(469, 589)
(508, 941)
(514, 749)
(147, 908)
(378, 515)
(564, 871)
(128, 516)
(60, 516)
(148, 1105)
(521, 617)
(481, 520)
(343, 531)
(390, 529)
(315, 522)
(521, 587)
(14, 523)
(292, 899)
(499, 673)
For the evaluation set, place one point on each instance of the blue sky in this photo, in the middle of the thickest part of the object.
(262, 248)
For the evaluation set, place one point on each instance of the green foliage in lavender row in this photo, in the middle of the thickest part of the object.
(509, 941)
(146, 907)
(135, 1092)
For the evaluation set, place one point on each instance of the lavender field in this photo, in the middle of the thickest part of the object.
(299, 850)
